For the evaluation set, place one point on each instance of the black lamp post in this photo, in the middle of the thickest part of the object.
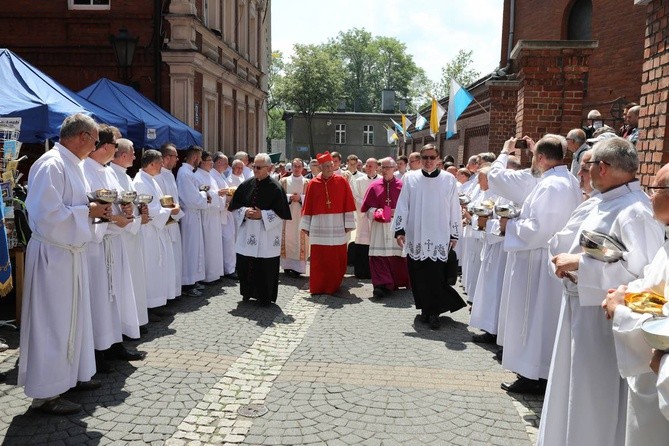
(124, 49)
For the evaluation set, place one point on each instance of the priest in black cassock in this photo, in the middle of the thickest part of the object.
(259, 206)
(427, 226)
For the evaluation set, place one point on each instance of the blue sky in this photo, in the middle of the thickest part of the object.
(433, 32)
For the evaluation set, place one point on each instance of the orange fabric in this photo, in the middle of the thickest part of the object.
(328, 266)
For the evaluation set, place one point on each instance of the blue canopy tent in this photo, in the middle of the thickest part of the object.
(159, 126)
(40, 102)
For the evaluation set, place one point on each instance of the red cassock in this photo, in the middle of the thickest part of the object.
(327, 235)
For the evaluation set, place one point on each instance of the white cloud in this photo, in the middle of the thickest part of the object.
(433, 33)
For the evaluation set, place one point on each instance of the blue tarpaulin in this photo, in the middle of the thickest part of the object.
(40, 102)
(158, 126)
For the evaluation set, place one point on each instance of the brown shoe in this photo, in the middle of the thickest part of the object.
(59, 406)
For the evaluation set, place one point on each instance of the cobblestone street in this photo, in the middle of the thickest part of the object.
(331, 370)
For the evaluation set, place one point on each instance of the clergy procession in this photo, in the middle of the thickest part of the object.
(551, 258)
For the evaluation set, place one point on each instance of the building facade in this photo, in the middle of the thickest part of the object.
(204, 61)
(561, 59)
(362, 134)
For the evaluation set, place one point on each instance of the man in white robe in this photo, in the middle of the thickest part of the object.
(359, 187)
(56, 329)
(113, 306)
(295, 243)
(192, 201)
(222, 179)
(242, 156)
(125, 155)
(511, 182)
(636, 361)
(156, 238)
(211, 221)
(168, 186)
(534, 293)
(236, 176)
(427, 226)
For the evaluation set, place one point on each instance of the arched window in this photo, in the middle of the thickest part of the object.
(579, 26)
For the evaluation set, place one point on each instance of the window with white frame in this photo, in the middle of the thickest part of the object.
(340, 133)
(368, 135)
(89, 4)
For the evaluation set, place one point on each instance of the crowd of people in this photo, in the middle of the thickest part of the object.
(98, 270)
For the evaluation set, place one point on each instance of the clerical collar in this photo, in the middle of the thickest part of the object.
(433, 174)
(371, 178)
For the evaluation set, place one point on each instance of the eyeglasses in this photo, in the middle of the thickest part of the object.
(655, 189)
(596, 162)
(428, 157)
(258, 167)
(94, 140)
(417, 160)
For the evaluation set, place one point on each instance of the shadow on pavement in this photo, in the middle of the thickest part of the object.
(533, 404)
(263, 316)
(453, 333)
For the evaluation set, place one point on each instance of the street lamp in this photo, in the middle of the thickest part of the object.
(124, 49)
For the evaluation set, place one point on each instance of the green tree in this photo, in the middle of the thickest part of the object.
(373, 64)
(275, 107)
(313, 81)
(458, 68)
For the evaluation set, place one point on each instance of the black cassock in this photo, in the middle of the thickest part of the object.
(259, 277)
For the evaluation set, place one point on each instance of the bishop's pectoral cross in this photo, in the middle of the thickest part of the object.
(328, 202)
(388, 201)
(388, 195)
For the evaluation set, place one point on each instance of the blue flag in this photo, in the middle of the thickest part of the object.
(458, 100)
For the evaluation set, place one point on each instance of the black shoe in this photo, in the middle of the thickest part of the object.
(525, 386)
(424, 317)
(93, 384)
(118, 351)
(59, 406)
(161, 312)
(143, 329)
(246, 298)
(232, 276)
(102, 366)
(485, 338)
(192, 293)
(198, 286)
(499, 354)
(435, 323)
(153, 317)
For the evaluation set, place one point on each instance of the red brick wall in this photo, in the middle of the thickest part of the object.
(550, 98)
(653, 144)
(73, 46)
(503, 103)
(615, 66)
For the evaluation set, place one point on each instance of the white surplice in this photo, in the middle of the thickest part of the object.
(56, 330)
(211, 228)
(646, 423)
(192, 201)
(585, 399)
(168, 186)
(359, 187)
(113, 305)
(486, 299)
(533, 299)
(295, 243)
(133, 246)
(227, 225)
(473, 254)
(435, 217)
(159, 263)
(514, 185)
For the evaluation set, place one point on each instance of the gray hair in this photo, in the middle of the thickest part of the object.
(487, 157)
(150, 156)
(474, 159)
(76, 124)
(513, 163)
(219, 156)
(241, 155)
(124, 146)
(618, 153)
(237, 163)
(562, 139)
(262, 156)
(388, 160)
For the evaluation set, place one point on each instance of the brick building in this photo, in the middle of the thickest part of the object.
(204, 61)
(561, 59)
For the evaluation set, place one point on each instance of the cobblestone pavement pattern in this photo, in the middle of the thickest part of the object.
(336, 370)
